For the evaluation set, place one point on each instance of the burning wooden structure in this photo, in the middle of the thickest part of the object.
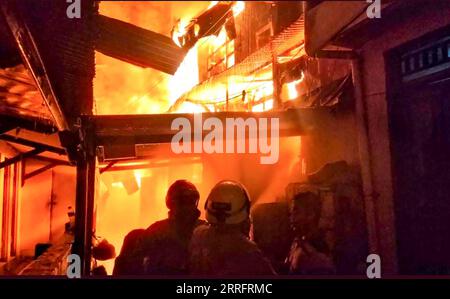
(97, 96)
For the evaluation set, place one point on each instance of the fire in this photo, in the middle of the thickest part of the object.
(138, 174)
(186, 76)
(221, 39)
(238, 7)
(119, 212)
(292, 87)
(122, 88)
(268, 104)
(265, 106)
(292, 90)
(179, 31)
(212, 4)
(188, 107)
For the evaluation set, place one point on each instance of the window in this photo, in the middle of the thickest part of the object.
(427, 60)
(220, 54)
(264, 35)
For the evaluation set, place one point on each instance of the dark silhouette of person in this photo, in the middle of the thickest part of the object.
(162, 248)
(309, 254)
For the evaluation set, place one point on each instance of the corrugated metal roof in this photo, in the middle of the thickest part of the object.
(138, 46)
(19, 96)
(66, 47)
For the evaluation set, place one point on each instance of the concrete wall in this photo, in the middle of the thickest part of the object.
(334, 139)
(63, 190)
(34, 214)
(429, 18)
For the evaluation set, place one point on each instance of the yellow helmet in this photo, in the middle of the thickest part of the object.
(227, 203)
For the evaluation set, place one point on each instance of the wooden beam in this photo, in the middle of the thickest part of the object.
(7, 149)
(45, 147)
(146, 129)
(107, 167)
(18, 158)
(38, 125)
(54, 161)
(27, 176)
(147, 164)
(124, 136)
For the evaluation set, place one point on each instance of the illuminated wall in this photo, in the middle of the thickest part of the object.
(43, 202)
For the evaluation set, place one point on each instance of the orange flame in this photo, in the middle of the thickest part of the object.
(238, 7)
(292, 87)
(122, 88)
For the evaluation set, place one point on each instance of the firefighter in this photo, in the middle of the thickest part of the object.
(162, 248)
(223, 247)
(309, 254)
(129, 261)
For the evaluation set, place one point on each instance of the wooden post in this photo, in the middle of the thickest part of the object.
(276, 82)
(84, 206)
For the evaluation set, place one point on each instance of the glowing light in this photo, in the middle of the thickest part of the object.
(230, 61)
(268, 89)
(292, 87)
(130, 164)
(117, 184)
(258, 108)
(292, 90)
(268, 105)
(188, 107)
(179, 31)
(196, 29)
(212, 4)
(186, 76)
(138, 176)
(238, 7)
(221, 39)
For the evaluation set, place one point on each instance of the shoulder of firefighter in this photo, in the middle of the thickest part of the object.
(213, 252)
(165, 249)
(129, 261)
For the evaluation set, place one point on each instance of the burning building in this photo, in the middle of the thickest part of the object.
(88, 106)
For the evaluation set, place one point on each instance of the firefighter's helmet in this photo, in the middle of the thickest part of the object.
(227, 203)
(182, 193)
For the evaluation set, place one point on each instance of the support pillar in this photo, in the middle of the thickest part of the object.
(85, 192)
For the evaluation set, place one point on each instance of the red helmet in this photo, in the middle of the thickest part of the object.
(182, 193)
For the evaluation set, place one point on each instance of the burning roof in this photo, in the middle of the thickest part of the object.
(58, 52)
(239, 74)
(19, 96)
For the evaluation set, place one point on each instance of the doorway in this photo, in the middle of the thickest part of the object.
(419, 115)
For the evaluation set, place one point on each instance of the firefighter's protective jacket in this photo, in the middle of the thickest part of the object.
(214, 251)
(161, 249)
